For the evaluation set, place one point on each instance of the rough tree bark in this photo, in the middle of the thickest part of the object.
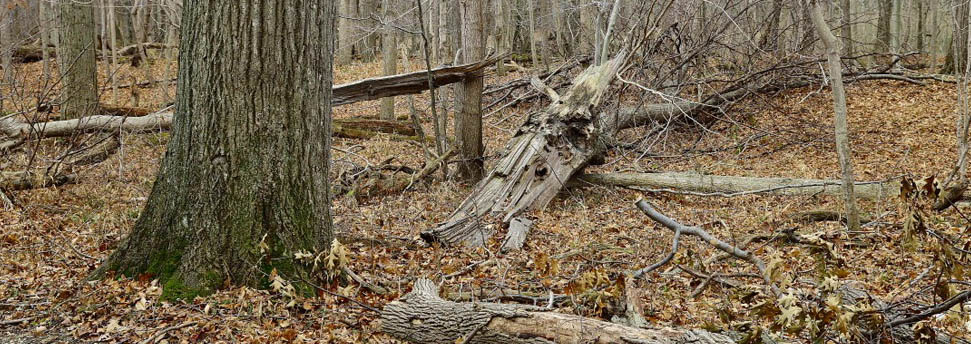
(422, 316)
(79, 80)
(847, 30)
(468, 120)
(839, 107)
(244, 183)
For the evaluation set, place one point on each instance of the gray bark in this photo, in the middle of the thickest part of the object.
(241, 171)
(731, 185)
(468, 120)
(547, 150)
(422, 316)
(79, 80)
(839, 108)
(389, 56)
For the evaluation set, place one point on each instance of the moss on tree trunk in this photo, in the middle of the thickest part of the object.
(243, 185)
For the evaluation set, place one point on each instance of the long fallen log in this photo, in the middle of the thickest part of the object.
(711, 185)
(422, 316)
(162, 121)
(24, 180)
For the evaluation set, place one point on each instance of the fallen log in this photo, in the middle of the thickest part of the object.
(25, 180)
(118, 110)
(728, 186)
(161, 121)
(421, 316)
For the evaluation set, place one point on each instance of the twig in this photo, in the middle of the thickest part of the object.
(364, 283)
(157, 337)
(936, 309)
(16, 321)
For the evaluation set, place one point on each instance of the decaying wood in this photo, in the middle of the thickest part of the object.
(421, 316)
(822, 215)
(405, 84)
(546, 151)
(369, 183)
(710, 185)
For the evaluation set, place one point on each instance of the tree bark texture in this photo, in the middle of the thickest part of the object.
(422, 316)
(839, 108)
(883, 26)
(244, 182)
(389, 56)
(468, 121)
(79, 79)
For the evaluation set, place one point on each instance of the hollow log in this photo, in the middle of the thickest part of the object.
(422, 316)
(710, 185)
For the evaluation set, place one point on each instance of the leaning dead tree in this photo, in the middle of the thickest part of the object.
(422, 316)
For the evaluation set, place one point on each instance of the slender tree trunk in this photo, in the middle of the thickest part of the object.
(921, 25)
(532, 32)
(588, 28)
(468, 121)
(899, 34)
(7, 41)
(847, 31)
(345, 32)
(45, 36)
(883, 26)
(244, 184)
(839, 107)
(432, 31)
(112, 29)
(79, 80)
(958, 51)
(500, 36)
(389, 57)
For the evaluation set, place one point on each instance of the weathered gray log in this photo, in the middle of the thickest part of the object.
(421, 316)
(900, 326)
(712, 185)
(405, 84)
(24, 180)
(546, 151)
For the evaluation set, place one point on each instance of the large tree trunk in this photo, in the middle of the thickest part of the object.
(79, 79)
(422, 316)
(547, 150)
(839, 108)
(244, 183)
(468, 120)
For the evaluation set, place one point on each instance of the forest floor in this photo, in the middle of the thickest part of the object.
(587, 236)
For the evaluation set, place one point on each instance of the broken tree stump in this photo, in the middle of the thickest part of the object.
(543, 155)
(421, 316)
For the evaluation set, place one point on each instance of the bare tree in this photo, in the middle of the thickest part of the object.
(839, 107)
(389, 56)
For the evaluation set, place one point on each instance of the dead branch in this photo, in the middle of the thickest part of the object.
(671, 224)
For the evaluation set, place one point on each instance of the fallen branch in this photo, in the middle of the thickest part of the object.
(422, 316)
(731, 186)
(25, 180)
(671, 224)
(157, 337)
